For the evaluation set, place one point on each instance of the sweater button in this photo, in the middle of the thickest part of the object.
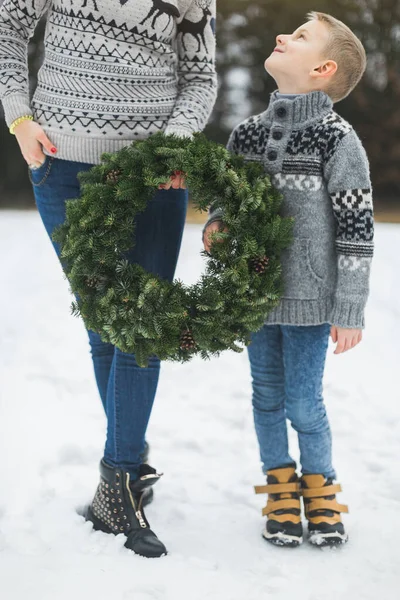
(281, 112)
(277, 135)
(272, 155)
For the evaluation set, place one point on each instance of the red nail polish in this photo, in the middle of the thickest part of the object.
(53, 149)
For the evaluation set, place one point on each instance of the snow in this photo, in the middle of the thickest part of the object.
(201, 434)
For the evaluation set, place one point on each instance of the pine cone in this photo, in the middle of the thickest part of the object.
(92, 281)
(186, 341)
(113, 176)
(259, 264)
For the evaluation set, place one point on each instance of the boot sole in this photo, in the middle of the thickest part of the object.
(322, 540)
(282, 539)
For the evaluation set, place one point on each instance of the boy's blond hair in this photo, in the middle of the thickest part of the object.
(347, 51)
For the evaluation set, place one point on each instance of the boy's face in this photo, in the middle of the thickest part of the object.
(298, 56)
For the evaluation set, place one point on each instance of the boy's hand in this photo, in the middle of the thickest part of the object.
(212, 228)
(346, 338)
(177, 182)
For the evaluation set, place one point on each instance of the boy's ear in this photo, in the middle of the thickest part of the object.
(326, 69)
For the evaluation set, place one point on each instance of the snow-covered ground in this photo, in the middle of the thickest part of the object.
(202, 437)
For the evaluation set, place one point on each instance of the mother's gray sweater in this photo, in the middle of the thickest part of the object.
(317, 161)
(114, 71)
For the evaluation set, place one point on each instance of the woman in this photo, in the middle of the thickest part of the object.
(114, 71)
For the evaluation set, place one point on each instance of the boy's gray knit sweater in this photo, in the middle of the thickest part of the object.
(317, 161)
(114, 70)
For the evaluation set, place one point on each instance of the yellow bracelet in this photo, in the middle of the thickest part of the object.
(18, 121)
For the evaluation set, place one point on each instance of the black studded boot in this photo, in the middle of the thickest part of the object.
(117, 507)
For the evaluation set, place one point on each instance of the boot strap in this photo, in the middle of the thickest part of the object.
(277, 488)
(328, 490)
(323, 503)
(274, 505)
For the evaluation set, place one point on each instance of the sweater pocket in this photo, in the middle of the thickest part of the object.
(301, 281)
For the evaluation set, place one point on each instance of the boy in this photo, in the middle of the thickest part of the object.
(317, 161)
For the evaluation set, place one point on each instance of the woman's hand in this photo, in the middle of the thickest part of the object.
(212, 228)
(177, 182)
(346, 338)
(32, 139)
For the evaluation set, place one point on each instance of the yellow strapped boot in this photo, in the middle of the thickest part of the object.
(283, 527)
(322, 510)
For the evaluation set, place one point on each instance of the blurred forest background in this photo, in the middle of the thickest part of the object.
(246, 31)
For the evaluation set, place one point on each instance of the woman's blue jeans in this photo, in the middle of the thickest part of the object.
(126, 390)
(287, 366)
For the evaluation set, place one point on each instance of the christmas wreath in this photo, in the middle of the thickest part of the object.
(144, 314)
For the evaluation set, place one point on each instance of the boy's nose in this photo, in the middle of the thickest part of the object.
(279, 39)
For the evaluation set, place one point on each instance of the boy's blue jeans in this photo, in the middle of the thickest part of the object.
(287, 365)
(127, 391)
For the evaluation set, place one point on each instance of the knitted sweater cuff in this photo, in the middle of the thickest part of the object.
(349, 315)
(15, 106)
(178, 130)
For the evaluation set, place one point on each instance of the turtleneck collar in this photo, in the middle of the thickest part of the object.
(279, 96)
(299, 111)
